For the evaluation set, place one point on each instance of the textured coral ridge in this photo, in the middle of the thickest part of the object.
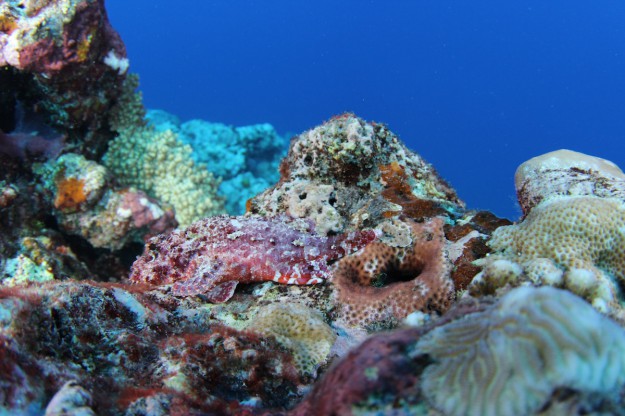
(573, 233)
(511, 358)
(384, 284)
(214, 254)
(527, 354)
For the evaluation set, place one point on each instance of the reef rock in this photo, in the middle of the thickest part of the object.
(572, 235)
(49, 52)
(348, 174)
(109, 350)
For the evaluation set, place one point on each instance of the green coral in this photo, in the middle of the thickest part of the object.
(158, 162)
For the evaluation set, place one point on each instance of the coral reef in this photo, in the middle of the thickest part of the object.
(382, 284)
(377, 377)
(47, 51)
(348, 173)
(212, 255)
(525, 354)
(301, 330)
(88, 177)
(572, 235)
(245, 158)
(159, 163)
(86, 204)
(131, 350)
(511, 358)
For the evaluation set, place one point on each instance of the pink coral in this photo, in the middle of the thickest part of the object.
(214, 254)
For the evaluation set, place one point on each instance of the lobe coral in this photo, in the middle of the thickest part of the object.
(213, 255)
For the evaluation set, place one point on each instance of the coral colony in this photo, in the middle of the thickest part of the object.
(150, 266)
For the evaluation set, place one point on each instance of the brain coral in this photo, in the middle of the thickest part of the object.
(575, 241)
(301, 330)
(382, 284)
(509, 359)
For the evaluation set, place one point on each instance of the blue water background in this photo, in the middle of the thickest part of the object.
(475, 87)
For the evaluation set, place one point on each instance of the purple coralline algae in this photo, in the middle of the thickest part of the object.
(213, 255)
(47, 51)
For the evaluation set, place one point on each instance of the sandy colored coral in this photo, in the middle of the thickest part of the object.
(577, 243)
(567, 173)
(573, 235)
(510, 359)
(158, 162)
(162, 166)
(301, 330)
(382, 284)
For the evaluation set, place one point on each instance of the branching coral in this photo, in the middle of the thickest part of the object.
(160, 164)
(382, 284)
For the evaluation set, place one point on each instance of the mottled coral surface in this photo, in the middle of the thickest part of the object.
(383, 284)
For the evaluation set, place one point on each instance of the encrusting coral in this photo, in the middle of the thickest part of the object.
(87, 204)
(381, 284)
(213, 255)
(511, 358)
(301, 330)
(572, 236)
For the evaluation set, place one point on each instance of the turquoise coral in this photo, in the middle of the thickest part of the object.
(246, 158)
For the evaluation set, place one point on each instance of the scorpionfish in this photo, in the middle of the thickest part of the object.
(213, 255)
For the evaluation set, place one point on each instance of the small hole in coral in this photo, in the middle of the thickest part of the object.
(392, 275)
(303, 196)
(332, 200)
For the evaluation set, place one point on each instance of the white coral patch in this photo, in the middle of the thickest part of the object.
(115, 62)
